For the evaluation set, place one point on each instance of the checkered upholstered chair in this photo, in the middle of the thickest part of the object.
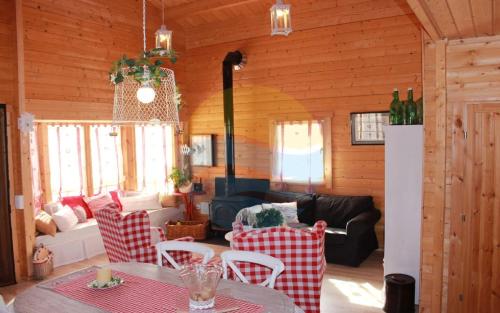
(302, 252)
(129, 238)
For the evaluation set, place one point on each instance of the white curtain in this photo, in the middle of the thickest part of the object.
(66, 160)
(35, 170)
(154, 156)
(107, 160)
(298, 152)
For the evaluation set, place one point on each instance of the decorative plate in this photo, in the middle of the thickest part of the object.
(114, 282)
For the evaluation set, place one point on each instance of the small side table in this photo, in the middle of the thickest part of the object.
(189, 227)
(189, 202)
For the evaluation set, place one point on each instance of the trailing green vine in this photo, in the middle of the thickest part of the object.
(137, 67)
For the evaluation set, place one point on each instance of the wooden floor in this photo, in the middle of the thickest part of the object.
(345, 289)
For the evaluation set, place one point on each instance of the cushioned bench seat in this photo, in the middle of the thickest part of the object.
(84, 241)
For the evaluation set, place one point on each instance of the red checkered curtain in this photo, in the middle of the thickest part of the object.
(302, 252)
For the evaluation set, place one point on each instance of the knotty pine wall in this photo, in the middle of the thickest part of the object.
(69, 47)
(455, 73)
(8, 73)
(343, 56)
(9, 96)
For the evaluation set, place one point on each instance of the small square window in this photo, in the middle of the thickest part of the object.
(298, 153)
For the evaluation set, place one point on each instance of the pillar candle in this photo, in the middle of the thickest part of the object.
(103, 275)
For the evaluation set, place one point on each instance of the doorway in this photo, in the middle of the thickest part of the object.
(474, 272)
(7, 273)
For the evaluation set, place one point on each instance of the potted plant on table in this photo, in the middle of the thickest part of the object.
(179, 179)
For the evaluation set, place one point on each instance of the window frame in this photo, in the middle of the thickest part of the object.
(327, 146)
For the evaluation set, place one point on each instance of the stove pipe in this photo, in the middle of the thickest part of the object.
(237, 60)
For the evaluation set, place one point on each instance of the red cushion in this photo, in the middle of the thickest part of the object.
(116, 199)
(75, 201)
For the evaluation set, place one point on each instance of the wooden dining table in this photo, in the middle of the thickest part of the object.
(41, 299)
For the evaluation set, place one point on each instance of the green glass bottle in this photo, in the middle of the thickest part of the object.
(411, 109)
(395, 117)
(420, 111)
(404, 112)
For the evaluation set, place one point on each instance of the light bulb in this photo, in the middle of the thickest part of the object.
(146, 94)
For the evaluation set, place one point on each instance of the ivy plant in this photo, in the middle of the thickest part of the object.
(137, 67)
(269, 217)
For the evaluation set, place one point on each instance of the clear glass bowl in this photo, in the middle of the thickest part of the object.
(201, 282)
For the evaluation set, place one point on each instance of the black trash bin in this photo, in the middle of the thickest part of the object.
(399, 293)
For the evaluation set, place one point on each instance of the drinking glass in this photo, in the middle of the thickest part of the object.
(201, 280)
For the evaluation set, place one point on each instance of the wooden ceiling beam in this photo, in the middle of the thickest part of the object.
(425, 17)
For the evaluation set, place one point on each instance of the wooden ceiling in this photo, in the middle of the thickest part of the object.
(191, 13)
(454, 19)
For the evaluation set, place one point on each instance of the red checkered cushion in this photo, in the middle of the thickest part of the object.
(302, 252)
(128, 238)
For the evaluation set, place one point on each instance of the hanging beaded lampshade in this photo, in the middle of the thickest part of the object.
(163, 109)
(153, 100)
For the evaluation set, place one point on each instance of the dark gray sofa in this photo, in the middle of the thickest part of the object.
(350, 236)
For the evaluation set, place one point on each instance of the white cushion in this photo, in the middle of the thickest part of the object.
(289, 210)
(65, 219)
(141, 202)
(52, 207)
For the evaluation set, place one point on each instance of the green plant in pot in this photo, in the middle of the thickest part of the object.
(178, 178)
(269, 218)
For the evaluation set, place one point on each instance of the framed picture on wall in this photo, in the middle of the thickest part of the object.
(367, 128)
(202, 150)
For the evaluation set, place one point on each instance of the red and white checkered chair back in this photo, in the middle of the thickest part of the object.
(231, 258)
(302, 252)
(126, 238)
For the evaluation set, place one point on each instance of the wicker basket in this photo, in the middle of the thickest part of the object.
(195, 229)
(44, 268)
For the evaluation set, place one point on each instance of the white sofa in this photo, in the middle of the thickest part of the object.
(84, 241)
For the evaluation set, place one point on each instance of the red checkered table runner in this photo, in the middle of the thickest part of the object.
(139, 294)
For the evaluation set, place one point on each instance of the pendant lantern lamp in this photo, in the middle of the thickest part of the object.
(281, 20)
(163, 36)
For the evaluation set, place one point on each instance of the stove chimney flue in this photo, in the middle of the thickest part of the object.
(235, 60)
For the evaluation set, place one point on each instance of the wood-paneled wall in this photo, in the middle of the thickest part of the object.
(8, 73)
(9, 96)
(343, 56)
(68, 50)
(470, 76)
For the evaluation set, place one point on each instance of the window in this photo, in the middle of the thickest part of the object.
(66, 160)
(107, 162)
(298, 154)
(154, 156)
